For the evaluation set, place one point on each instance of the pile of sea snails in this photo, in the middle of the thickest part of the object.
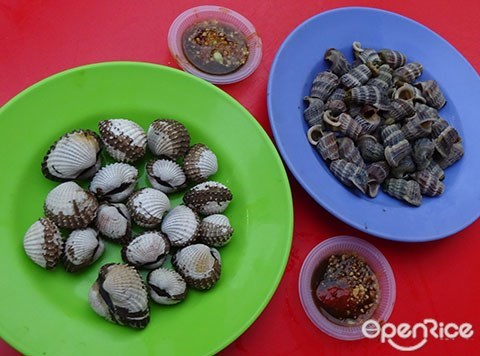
(113, 204)
(374, 125)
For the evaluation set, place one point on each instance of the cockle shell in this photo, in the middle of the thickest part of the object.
(323, 85)
(408, 73)
(168, 138)
(327, 146)
(399, 110)
(393, 58)
(69, 206)
(456, 152)
(199, 265)
(215, 230)
(123, 139)
(422, 152)
(166, 286)
(394, 154)
(402, 189)
(350, 174)
(208, 198)
(147, 207)
(429, 184)
(114, 182)
(82, 248)
(181, 225)
(120, 296)
(349, 152)
(432, 93)
(338, 63)
(357, 76)
(43, 243)
(148, 250)
(75, 155)
(314, 111)
(113, 222)
(445, 141)
(200, 163)
(166, 175)
(370, 149)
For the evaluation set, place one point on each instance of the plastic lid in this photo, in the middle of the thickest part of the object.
(377, 262)
(226, 16)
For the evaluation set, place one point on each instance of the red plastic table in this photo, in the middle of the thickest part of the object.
(437, 280)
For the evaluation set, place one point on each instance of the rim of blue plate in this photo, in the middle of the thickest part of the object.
(399, 227)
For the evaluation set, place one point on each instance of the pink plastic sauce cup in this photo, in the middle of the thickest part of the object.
(377, 262)
(223, 15)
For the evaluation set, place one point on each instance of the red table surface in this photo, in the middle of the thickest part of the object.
(434, 280)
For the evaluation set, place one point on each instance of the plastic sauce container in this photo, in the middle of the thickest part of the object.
(377, 263)
(215, 43)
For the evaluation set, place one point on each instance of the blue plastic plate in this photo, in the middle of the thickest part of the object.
(297, 62)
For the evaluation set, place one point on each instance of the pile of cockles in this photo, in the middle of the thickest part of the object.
(190, 233)
(375, 125)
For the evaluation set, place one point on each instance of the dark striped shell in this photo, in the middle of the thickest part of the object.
(350, 174)
(432, 93)
(408, 73)
(393, 58)
(314, 111)
(356, 76)
(407, 190)
(323, 85)
(338, 63)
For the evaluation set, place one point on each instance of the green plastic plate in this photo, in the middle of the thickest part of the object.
(46, 312)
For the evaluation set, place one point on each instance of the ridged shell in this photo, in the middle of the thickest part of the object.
(377, 173)
(120, 296)
(404, 168)
(432, 93)
(349, 152)
(82, 248)
(445, 141)
(199, 265)
(338, 63)
(368, 119)
(215, 230)
(314, 134)
(456, 152)
(147, 207)
(123, 139)
(43, 243)
(323, 85)
(350, 174)
(370, 149)
(168, 138)
(113, 222)
(394, 154)
(395, 135)
(409, 93)
(166, 286)
(335, 102)
(402, 189)
(393, 58)
(75, 155)
(342, 123)
(417, 128)
(429, 184)
(208, 198)
(426, 112)
(367, 55)
(438, 126)
(356, 76)
(399, 110)
(148, 250)
(408, 73)
(383, 80)
(368, 95)
(181, 225)
(436, 170)
(166, 175)
(314, 111)
(114, 182)
(327, 146)
(422, 152)
(200, 163)
(69, 206)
